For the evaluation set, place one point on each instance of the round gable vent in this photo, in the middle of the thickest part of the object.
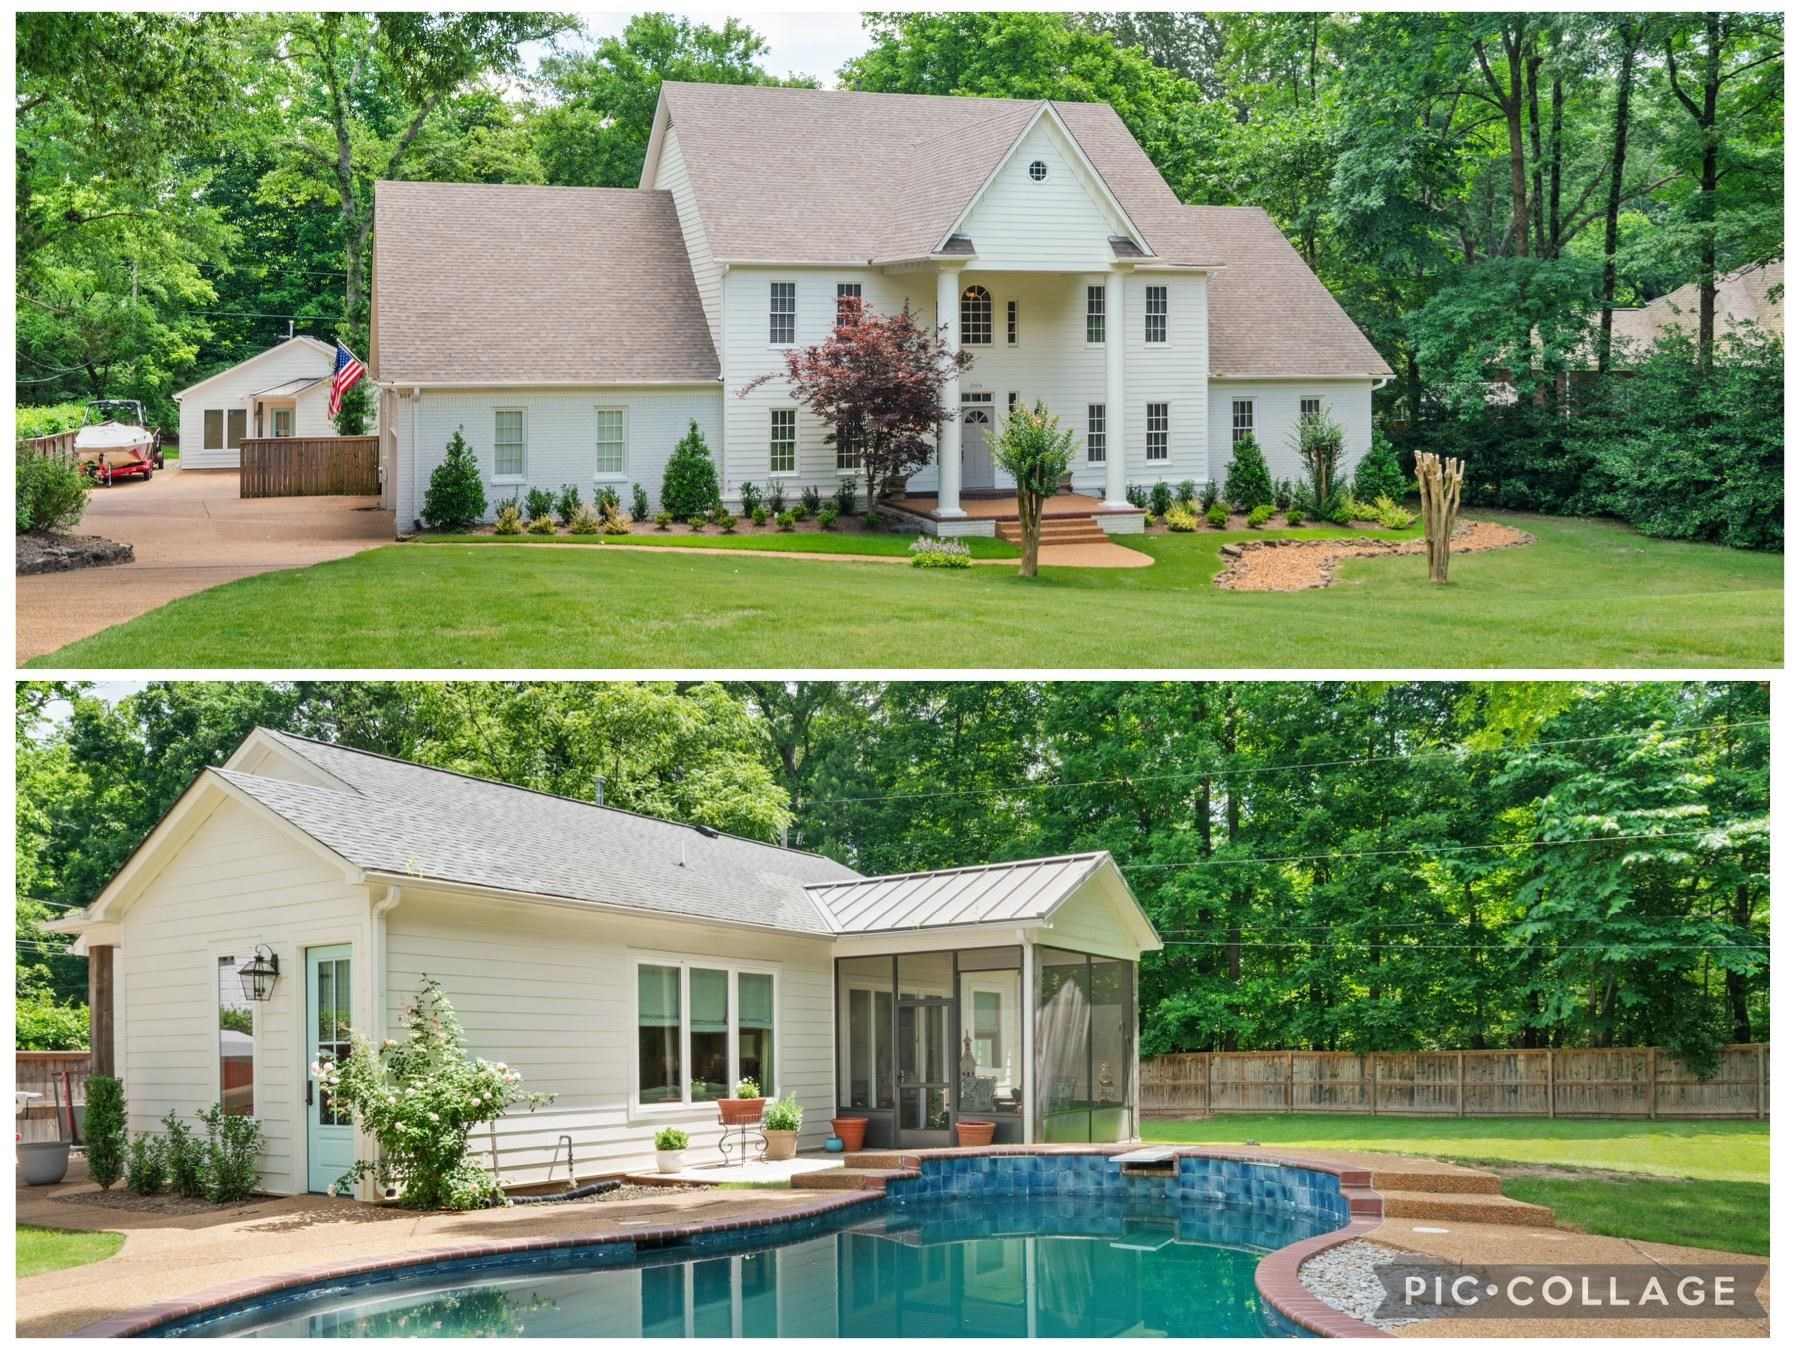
(1038, 171)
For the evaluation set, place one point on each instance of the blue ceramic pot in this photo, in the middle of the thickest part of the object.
(834, 1145)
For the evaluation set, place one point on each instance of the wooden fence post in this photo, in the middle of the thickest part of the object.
(1462, 1086)
(1290, 1085)
(1550, 1081)
(1207, 1095)
(1762, 1082)
(1375, 1089)
(1650, 1080)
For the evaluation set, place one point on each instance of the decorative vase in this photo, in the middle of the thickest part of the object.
(43, 1164)
(974, 1133)
(782, 1144)
(834, 1145)
(669, 1159)
(852, 1130)
(741, 1110)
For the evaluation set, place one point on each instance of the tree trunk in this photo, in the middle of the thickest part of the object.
(1031, 508)
(1537, 155)
(1440, 497)
(1706, 114)
(1609, 275)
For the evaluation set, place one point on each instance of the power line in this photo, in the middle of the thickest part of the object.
(1222, 769)
(1496, 947)
(1425, 851)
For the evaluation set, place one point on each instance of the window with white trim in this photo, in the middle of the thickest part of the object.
(1243, 418)
(1012, 323)
(783, 438)
(609, 442)
(509, 442)
(977, 317)
(1096, 314)
(1096, 438)
(1156, 314)
(222, 428)
(781, 312)
(846, 291)
(1012, 400)
(1312, 407)
(703, 1024)
(850, 445)
(1156, 431)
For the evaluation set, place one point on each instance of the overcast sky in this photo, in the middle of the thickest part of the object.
(814, 43)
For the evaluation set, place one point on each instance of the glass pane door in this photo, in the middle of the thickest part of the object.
(924, 1062)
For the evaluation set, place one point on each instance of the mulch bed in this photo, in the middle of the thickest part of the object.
(1308, 564)
(41, 551)
(843, 525)
(121, 1198)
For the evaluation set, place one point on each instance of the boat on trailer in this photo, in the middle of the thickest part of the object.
(116, 441)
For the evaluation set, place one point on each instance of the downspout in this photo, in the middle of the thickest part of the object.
(415, 450)
(724, 351)
(378, 970)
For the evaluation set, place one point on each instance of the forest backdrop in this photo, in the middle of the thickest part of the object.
(1479, 190)
(1346, 866)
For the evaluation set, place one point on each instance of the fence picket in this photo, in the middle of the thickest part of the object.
(309, 466)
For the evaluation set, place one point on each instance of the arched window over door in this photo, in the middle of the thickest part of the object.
(977, 317)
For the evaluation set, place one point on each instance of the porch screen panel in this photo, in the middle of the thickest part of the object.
(756, 1029)
(237, 1041)
(659, 1034)
(1112, 1055)
(1064, 1025)
(866, 1033)
(709, 1041)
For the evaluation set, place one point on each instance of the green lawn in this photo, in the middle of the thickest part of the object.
(1703, 1183)
(41, 1250)
(809, 541)
(1590, 593)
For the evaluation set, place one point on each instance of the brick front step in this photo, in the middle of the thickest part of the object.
(1054, 532)
(1465, 1208)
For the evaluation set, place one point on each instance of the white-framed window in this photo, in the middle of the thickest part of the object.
(281, 421)
(850, 445)
(1312, 407)
(1038, 170)
(1156, 431)
(1156, 314)
(609, 443)
(1096, 440)
(847, 290)
(703, 1023)
(223, 428)
(783, 439)
(1012, 400)
(977, 317)
(509, 443)
(781, 312)
(1096, 314)
(1012, 323)
(1243, 418)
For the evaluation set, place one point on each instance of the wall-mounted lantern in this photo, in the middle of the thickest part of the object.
(258, 975)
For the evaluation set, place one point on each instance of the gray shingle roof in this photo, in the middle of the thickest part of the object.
(392, 816)
(1743, 296)
(481, 283)
(998, 893)
(883, 177)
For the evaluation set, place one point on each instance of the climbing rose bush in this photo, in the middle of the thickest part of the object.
(419, 1099)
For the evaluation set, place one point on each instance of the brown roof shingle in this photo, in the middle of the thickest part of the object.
(1744, 296)
(487, 284)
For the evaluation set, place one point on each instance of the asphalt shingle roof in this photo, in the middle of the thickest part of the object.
(482, 283)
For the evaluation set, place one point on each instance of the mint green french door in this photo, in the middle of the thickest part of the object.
(330, 1138)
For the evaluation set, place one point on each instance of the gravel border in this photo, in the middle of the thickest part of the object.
(1344, 1277)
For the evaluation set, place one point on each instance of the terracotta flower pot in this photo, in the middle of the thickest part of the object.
(974, 1133)
(852, 1130)
(741, 1110)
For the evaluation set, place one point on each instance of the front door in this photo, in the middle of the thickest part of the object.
(925, 1071)
(977, 457)
(281, 421)
(330, 1139)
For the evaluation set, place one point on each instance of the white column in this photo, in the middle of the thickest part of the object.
(1115, 389)
(949, 317)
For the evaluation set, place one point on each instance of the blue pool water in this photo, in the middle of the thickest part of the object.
(1088, 1256)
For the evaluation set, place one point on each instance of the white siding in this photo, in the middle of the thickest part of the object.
(1059, 222)
(233, 388)
(237, 881)
(1278, 418)
(672, 177)
(559, 438)
(1088, 921)
(552, 992)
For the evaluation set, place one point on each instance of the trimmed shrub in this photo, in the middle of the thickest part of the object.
(751, 494)
(872, 519)
(1296, 514)
(186, 1156)
(1284, 494)
(1260, 516)
(640, 502)
(1149, 520)
(605, 497)
(927, 551)
(584, 520)
(786, 520)
(759, 517)
(697, 522)
(145, 1166)
(1137, 495)
(105, 1130)
(1391, 515)
(723, 518)
(1378, 473)
(664, 519)
(508, 520)
(52, 492)
(539, 502)
(690, 484)
(615, 522)
(233, 1144)
(777, 497)
(542, 525)
(828, 514)
(568, 501)
(846, 496)
(1161, 499)
(1209, 495)
(455, 498)
(1247, 482)
(1188, 493)
(1218, 515)
(1320, 442)
(809, 501)
(1181, 519)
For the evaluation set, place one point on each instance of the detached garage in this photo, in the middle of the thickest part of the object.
(280, 392)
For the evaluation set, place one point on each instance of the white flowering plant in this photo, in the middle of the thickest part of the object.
(419, 1099)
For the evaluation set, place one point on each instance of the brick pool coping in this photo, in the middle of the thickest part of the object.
(1277, 1274)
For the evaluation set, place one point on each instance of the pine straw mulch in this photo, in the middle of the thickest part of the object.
(1307, 564)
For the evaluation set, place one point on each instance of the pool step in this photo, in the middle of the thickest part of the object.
(849, 1179)
(1466, 1181)
(1465, 1208)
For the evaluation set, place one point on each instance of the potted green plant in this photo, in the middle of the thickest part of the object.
(781, 1126)
(670, 1146)
(744, 1106)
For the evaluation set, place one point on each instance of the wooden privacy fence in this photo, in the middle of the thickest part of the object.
(59, 446)
(41, 1071)
(1632, 1083)
(309, 466)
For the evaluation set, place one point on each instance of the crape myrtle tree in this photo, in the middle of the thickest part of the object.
(879, 380)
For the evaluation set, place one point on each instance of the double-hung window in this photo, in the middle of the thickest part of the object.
(1311, 407)
(703, 1024)
(849, 445)
(1096, 440)
(977, 317)
(849, 294)
(783, 435)
(1012, 323)
(1096, 314)
(609, 443)
(781, 312)
(509, 443)
(222, 428)
(1156, 431)
(1243, 418)
(1156, 314)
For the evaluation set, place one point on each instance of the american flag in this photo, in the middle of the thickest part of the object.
(343, 379)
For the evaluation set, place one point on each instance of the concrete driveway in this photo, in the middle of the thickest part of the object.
(191, 532)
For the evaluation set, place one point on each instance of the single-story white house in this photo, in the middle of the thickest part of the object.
(284, 391)
(572, 334)
(635, 967)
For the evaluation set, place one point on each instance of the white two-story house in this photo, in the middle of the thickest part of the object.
(572, 334)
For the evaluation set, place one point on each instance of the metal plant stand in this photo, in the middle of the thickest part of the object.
(748, 1136)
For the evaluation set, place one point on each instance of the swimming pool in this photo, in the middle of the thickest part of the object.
(974, 1247)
